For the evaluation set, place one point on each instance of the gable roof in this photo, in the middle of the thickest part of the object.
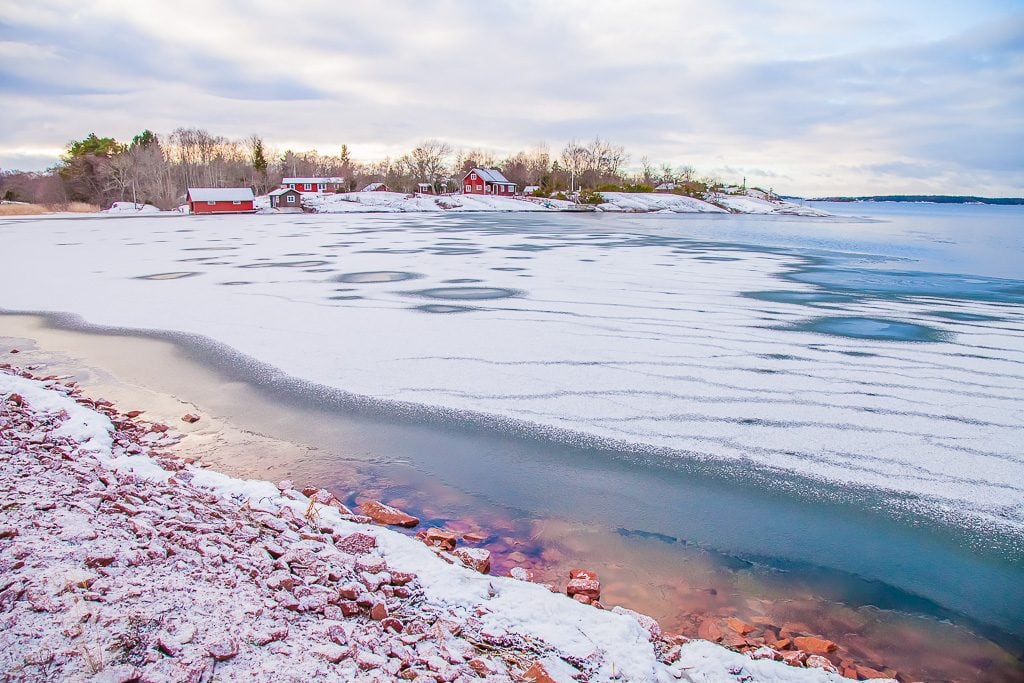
(372, 187)
(220, 194)
(491, 175)
(280, 191)
(303, 181)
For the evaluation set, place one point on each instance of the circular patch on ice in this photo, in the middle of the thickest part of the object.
(873, 328)
(374, 276)
(467, 293)
(287, 264)
(168, 276)
(444, 308)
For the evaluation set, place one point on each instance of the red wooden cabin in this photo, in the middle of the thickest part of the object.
(487, 181)
(220, 200)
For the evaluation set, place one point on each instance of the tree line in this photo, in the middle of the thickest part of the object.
(157, 169)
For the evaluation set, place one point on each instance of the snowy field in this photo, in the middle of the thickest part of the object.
(628, 331)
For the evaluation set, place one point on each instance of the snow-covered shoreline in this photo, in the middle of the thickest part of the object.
(122, 561)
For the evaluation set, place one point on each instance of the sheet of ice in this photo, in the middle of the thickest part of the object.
(504, 605)
(641, 339)
(130, 208)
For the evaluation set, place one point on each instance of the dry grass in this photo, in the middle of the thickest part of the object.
(19, 209)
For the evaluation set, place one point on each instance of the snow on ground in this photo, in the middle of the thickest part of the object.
(131, 208)
(652, 201)
(119, 563)
(757, 202)
(397, 202)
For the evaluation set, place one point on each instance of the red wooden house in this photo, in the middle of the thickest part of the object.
(487, 181)
(220, 200)
(315, 184)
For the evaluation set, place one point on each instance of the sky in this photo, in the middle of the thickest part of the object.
(806, 97)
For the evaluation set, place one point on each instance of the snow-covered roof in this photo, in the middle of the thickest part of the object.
(491, 175)
(666, 186)
(280, 191)
(373, 187)
(220, 194)
(288, 181)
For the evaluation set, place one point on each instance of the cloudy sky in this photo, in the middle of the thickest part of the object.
(807, 97)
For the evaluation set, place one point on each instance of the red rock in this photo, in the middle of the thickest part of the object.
(379, 612)
(8, 532)
(474, 536)
(190, 418)
(783, 644)
(733, 640)
(709, 630)
(583, 574)
(588, 587)
(99, 559)
(134, 413)
(350, 591)
(391, 624)
(440, 538)
(15, 351)
(369, 660)
(740, 627)
(819, 662)
(385, 514)
(867, 673)
(357, 543)
(349, 608)
(794, 658)
(817, 646)
(850, 672)
(223, 650)
(765, 652)
(16, 399)
(331, 652)
(474, 558)
(401, 578)
(480, 667)
(371, 563)
(157, 427)
(537, 674)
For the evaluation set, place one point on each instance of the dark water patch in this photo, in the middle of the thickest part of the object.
(859, 354)
(508, 269)
(235, 283)
(963, 316)
(461, 281)
(345, 297)
(647, 535)
(798, 297)
(872, 328)
(778, 356)
(300, 253)
(208, 248)
(376, 276)
(454, 251)
(716, 258)
(168, 276)
(196, 259)
(895, 284)
(466, 293)
(444, 308)
(389, 251)
(319, 270)
(286, 264)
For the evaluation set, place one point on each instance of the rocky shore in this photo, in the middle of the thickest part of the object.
(120, 561)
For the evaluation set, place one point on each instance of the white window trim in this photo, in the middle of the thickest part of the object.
(308, 186)
(211, 203)
(291, 199)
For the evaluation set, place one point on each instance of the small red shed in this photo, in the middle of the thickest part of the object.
(487, 181)
(315, 184)
(220, 200)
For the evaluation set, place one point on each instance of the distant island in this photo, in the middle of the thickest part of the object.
(929, 198)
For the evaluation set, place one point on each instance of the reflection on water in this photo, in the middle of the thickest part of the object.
(872, 328)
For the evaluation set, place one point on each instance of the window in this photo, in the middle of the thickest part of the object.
(479, 187)
(469, 188)
(472, 176)
(308, 186)
(211, 203)
(291, 199)
(237, 203)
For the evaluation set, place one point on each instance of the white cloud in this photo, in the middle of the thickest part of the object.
(817, 95)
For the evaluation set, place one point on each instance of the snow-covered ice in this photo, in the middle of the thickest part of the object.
(683, 347)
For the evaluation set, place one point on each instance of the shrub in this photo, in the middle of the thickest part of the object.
(591, 197)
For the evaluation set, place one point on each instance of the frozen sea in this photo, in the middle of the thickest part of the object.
(883, 353)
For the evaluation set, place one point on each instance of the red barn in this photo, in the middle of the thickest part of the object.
(314, 184)
(220, 200)
(487, 181)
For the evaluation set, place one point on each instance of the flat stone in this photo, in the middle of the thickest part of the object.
(812, 645)
(385, 514)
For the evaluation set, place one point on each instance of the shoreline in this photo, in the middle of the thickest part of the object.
(142, 467)
(726, 630)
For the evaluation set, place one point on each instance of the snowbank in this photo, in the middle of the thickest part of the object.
(174, 571)
(130, 208)
(757, 202)
(653, 201)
